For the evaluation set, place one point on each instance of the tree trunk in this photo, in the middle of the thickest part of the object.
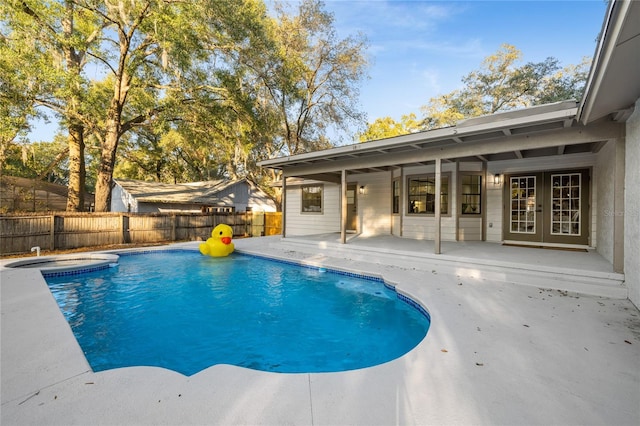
(75, 196)
(107, 164)
(73, 59)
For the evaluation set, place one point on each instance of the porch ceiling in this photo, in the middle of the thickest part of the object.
(548, 130)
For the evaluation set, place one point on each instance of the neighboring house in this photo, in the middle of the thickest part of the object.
(212, 196)
(18, 194)
(562, 174)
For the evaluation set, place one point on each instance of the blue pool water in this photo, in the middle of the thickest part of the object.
(185, 312)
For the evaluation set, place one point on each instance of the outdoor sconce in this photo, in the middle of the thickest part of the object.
(496, 179)
(361, 190)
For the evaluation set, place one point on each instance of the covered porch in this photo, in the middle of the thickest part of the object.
(534, 176)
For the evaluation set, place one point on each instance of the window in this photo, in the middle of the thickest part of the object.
(422, 193)
(471, 193)
(312, 199)
(395, 198)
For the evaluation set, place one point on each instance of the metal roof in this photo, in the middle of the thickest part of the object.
(200, 193)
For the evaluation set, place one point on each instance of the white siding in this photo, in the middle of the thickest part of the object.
(423, 228)
(299, 223)
(374, 206)
(122, 201)
(470, 228)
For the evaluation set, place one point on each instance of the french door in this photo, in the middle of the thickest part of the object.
(547, 207)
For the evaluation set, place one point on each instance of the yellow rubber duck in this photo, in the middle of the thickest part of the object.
(219, 244)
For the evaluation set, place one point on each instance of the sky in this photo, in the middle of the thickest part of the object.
(421, 49)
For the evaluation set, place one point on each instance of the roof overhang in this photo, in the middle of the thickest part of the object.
(613, 85)
(537, 131)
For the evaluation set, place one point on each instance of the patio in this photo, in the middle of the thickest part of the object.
(496, 353)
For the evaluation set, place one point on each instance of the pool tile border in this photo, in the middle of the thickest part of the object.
(52, 274)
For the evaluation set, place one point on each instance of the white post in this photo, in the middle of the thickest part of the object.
(283, 205)
(343, 210)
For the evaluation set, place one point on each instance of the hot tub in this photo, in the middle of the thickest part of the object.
(66, 264)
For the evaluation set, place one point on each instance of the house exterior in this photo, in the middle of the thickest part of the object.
(211, 196)
(563, 174)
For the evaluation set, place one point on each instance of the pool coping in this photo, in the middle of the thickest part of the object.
(91, 262)
(454, 375)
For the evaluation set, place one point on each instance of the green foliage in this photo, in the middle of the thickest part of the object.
(312, 79)
(500, 84)
(387, 127)
(175, 91)
(47, 161)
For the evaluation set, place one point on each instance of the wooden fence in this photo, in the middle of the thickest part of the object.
(61, 231)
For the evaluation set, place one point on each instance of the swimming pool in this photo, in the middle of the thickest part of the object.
(185, 312)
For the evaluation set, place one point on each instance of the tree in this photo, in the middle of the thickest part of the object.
(16, 92)
(163, 56)
(387, 127)
(215, 86)
(48, 161)
(312, 82)
(49, 42)
(501, 85)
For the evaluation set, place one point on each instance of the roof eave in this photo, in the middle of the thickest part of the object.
(601, 59)
(431, 136)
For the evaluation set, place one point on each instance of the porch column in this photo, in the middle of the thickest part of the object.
(436, 239)
(403, 200)
(343, 209)
(284, 205)
(618, 206)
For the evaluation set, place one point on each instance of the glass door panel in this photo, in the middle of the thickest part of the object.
(565, 204)
(523, 204)
(566, 212)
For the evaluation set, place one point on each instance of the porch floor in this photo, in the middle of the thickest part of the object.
(583, 271)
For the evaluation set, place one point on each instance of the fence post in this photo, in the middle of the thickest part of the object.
(123, 239)
(173, 226)
(52, 233)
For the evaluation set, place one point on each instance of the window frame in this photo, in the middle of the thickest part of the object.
(302, 199)
(461, 197)
(443, 176)
(396, 181)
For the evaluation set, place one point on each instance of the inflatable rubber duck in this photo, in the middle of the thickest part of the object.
(219, 244)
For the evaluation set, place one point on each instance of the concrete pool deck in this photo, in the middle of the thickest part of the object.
(496, 352)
